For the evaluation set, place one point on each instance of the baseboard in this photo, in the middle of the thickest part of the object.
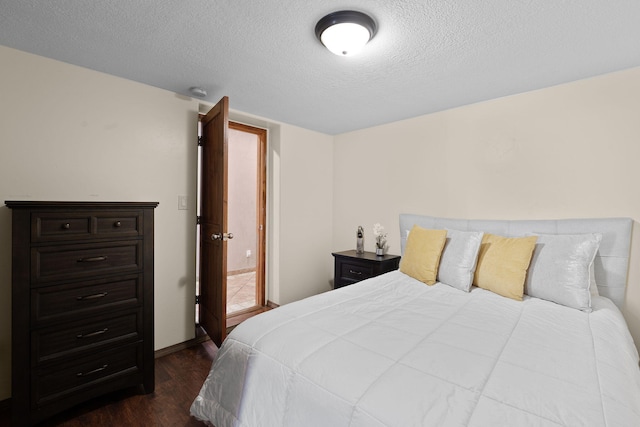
(180, 346)
(202, 337)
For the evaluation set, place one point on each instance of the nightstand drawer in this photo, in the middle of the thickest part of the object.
(351, 267)
(351, 271)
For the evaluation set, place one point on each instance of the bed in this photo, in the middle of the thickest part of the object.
(393, 351)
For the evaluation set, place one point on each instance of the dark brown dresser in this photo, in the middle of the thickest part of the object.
(352, 267)
(82, 303)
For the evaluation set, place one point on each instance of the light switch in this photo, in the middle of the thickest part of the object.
(183, 203)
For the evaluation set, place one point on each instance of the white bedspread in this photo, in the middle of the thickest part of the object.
(391, 351)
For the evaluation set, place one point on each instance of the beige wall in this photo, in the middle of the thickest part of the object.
(305, 214)
(562, 152)
(69, 133)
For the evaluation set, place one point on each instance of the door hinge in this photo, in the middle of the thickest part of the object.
(199, 141)
(197, 299)
(198, 219)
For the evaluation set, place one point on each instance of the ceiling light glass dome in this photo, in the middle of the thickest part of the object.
(346, 32)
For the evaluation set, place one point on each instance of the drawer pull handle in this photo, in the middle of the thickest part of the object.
(94, 371)
(93, 296)
(117, 224)
(92, 334)
(66, 226)
(359, 273)
(93, 259)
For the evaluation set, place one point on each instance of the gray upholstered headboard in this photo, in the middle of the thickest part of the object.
(612, 260)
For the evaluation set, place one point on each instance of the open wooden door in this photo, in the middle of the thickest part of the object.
(213, 222)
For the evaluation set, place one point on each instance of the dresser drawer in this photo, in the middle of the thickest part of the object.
(77, 261)
(118, 224)
(69, 339)
(60, 226)
(354, 271)
(84, 375)
(69, 301)
(63, 226)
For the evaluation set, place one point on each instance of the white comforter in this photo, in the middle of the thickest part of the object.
(391, 351)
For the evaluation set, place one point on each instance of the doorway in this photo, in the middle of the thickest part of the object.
(245, 196)
(246, 218)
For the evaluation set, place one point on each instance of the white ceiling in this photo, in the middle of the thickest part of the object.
(427, 55)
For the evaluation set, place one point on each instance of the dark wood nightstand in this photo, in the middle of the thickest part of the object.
(352, 267)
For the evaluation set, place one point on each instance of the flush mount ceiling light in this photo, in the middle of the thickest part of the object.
(345, 32)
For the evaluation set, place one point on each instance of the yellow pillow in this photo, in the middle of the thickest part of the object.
(503, 263)
(422, 254)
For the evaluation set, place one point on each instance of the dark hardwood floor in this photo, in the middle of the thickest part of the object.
(179, 377)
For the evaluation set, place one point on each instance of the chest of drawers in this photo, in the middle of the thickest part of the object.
(82, 303)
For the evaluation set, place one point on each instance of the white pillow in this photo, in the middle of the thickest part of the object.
(459, 258)
(593, 286)
(561, 269)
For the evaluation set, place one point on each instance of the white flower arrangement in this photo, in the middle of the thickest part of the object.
(380, 234)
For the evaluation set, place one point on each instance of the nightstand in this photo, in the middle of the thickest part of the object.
(352, 267)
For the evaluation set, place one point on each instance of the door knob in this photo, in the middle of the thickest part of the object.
(223, 236)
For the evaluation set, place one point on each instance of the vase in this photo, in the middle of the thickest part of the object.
(379, 251)
(360, 240)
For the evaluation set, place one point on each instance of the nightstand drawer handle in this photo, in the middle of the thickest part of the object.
(359, 273)
(95, 371)
(94, 296)
(92, 334)
(66, 226)
(117, 224)
(93, 259)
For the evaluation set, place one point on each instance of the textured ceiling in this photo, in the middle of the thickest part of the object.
(427, 55)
